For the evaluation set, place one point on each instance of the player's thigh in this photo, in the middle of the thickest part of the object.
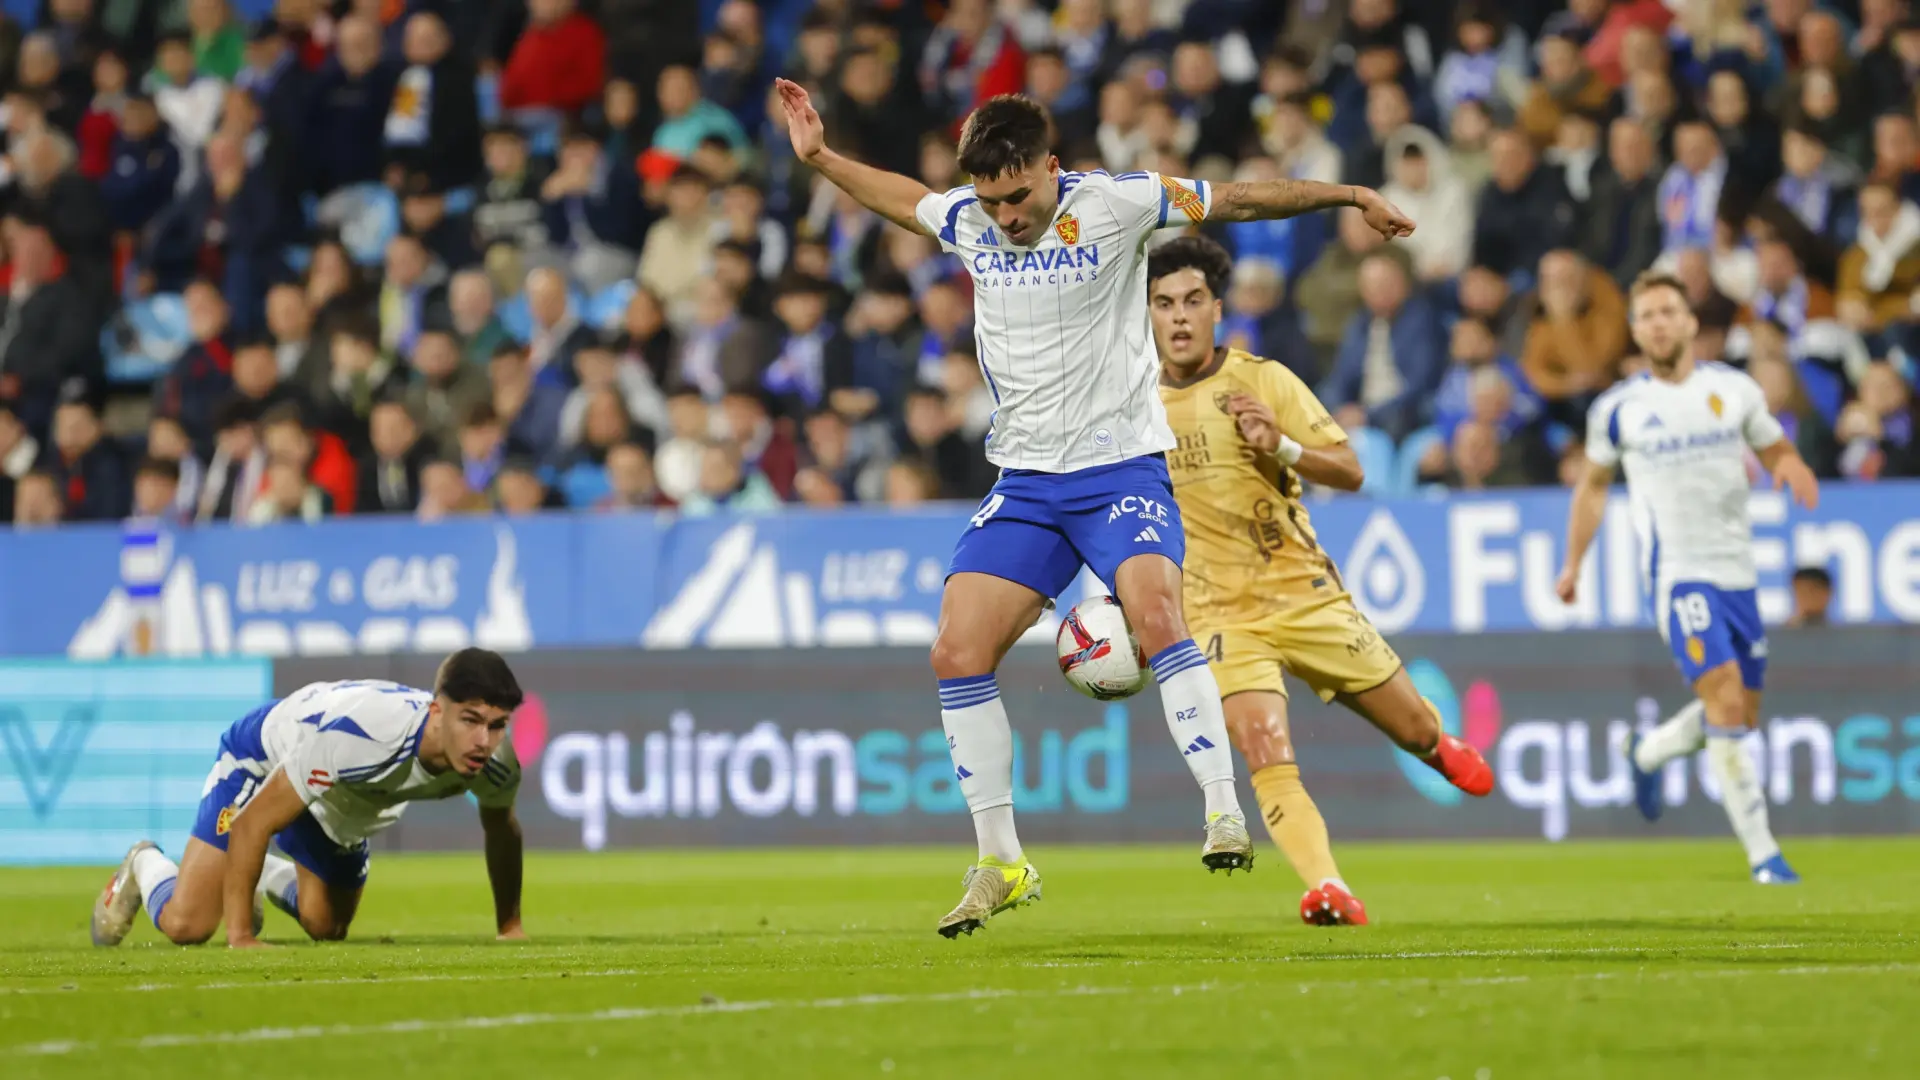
(981, 616)
(193, 913)
(1257, 723)
(1124, 523)
(1005, 566)
(331, 877)
(1148, 588)
(1705, 633)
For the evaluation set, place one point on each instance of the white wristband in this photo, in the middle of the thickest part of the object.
(1288, 451)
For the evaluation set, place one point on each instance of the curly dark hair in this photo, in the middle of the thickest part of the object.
(1005, 134)
(1192, 253)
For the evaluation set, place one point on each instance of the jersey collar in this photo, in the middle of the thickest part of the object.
(1207, 371)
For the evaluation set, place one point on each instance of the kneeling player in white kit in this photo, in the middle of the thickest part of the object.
(319, 772)
(1682, 433)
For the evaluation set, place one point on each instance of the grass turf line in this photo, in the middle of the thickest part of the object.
(1505, 960)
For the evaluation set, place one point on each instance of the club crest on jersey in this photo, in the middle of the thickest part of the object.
(223, 823)
(1221, 399)
(1068, 229)
(1714, 403)
(1696, 650)
(1184, 199)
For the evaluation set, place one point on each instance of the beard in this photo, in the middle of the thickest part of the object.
(1670, 361)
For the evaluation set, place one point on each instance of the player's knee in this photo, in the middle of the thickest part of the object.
(1158, 622)
(954, 658)
(323, 928)
(187, 927)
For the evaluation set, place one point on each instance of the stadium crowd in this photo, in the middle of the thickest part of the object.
(282, 260)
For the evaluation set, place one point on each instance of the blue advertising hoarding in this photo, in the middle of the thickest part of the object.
(94, 756)
(800, 578)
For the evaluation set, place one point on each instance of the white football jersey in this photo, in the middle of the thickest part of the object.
(1061, 328)
(351, 750)
(1684, 449)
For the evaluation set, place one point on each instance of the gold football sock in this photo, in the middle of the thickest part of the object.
(1295, 823)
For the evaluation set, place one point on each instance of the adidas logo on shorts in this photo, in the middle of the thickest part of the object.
(1148, 534)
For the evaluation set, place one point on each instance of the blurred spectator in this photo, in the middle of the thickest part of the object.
(36, 501)
(1577, 153)
(726, 484)
(733, 268)
(604, 424)
(591, 207)
(1137, 34)
(37, 69)
(1877, 432)
(1690, 190)
(721, 349)
(645, 340)
(519, 489)
(1524, 210)
(289, 497)
(156, 492)
(1392, 359)
(187, 99)
(687, 118)
(219, 42)
(100, 125)
(280, 86)
(815, 358)
(1328, 294)
(526, 408)
(509, 209)
(1606, 47)
(390, 472)
(677, 460)
(1050, 82)
(631, 481)
(910, 483)
(1388, 110)
(69, 206)
(19, 450)
(412, 296)
(1484, 63)
(558, 333)
(1473, 349)
(1751, 141)
(932, 440)
(95, 481)
(832, 471)
(1620, 230)
(433, 125)
(1814, 185)
(1218, 109)
(226, 229)
(970, 57)
(1566, 85)
(256, 376)
(1259, 320)
(1479, 461)
(1891, 67)
(482, 445)
(335, 287)
(1577, 337)
(444, 491)
(885, 353)
(1785, 293)
(203, 374)
(1423, 185)
(1787, 401)
(143, 168)
(883, 119)
(1469, 138)
(237, 469)
(559, 61)
(444, 386)
(1297, 144)
(1812, 596)
(446, 236)
(743, 220)
(167, 441)
(679, 246)
(1896, 153)
(359, 374)
(765, 447)
(1880, 273)
(318, 457)
(47, 337)
(602, 370)
(471, 318)
(1121, 134)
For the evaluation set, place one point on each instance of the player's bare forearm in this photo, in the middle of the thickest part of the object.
(1256, 200)
(506, 865)
(1335, 466)
(1788, 469)
(272, 809)
(1589, 507)
(888, 194)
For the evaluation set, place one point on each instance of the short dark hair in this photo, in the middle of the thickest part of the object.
(287, 412)
(1192, 253)
(160, 467)
(478, 675)
(480, 415)
(1816, 574)
(1005, 134)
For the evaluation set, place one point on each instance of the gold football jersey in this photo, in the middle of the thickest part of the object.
(1250, 546)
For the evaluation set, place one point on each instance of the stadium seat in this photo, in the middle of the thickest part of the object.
(367, 215)
(1412, 449)
(1374, 448)
(146, 338)
(606, 309)
(515, 318)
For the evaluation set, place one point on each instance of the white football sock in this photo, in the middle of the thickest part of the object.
(981, 743)
(156, 874)
(1740, 794)
(1682, 733)
(1191, 699)
(279, 881)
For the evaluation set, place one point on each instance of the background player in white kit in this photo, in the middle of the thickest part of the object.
(1058, 261)
(1682, 433)
(319, 772)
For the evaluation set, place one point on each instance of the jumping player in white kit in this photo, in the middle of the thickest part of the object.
(1059, 261)
(318, 773)
(1682, 434)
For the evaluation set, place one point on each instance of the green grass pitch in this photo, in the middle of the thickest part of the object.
(1503, 961)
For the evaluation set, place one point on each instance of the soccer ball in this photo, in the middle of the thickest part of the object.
(1098, 653)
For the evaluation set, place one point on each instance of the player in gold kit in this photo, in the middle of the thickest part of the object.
(1261, 595)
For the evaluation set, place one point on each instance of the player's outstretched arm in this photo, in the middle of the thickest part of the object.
(505, 867)
(268, 812)
(1256, 200)
(1790, 470)
(1583, 521)
(890, 195)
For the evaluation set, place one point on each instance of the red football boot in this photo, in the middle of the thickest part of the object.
(1462, 765)
(1331, 905)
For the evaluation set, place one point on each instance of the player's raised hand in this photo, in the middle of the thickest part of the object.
(809, 135)
(1382, 216)
(1568, 587)
(1255, 421)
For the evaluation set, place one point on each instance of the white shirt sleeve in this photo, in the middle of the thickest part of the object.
(939, 214)
(1759, 426)
(1150, 201)
(1603, 431)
